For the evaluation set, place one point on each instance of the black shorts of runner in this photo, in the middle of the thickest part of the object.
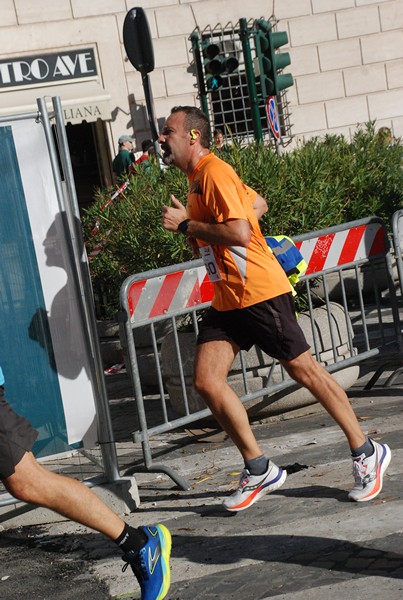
(272, 325)
(17, 437)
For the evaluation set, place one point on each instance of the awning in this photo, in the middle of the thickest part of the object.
(81, 101)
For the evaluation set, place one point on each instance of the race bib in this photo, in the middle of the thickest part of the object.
(210, 263)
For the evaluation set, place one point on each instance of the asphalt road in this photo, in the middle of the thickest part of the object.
(36, 567)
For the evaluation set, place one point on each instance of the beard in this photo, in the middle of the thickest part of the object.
(167, 157)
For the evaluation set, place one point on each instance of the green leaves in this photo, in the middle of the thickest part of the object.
(325, 181)
(136, 241)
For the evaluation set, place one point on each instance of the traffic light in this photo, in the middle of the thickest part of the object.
(270, 62)
(216, 65)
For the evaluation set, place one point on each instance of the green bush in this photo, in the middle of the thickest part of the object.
(323, 182)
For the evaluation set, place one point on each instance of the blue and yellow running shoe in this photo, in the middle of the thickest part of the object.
(151, 563)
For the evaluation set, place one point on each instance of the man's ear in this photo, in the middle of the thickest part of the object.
(193, 134)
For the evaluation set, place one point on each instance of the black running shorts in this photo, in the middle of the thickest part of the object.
(272, 325)
(17, 437)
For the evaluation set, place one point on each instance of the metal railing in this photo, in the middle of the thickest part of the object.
(394, 363)
(397, 233)
(350, 263)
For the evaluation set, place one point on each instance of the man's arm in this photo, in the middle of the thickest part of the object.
(259, 206)
(234, 232)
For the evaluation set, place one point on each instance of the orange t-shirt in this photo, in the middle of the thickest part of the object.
(242, 276)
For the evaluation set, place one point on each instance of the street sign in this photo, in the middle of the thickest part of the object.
(137, 40)
(272, 116)
(139, 49)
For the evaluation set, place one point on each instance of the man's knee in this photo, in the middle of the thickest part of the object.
(17, 487)
(25, 479)
(208, 384)
(201, 383)
(303, 368)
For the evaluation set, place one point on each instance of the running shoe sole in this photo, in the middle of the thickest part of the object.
(166, 545)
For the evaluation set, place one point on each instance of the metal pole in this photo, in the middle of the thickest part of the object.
(250, 78)
(151, 116)
(199, 71)
(150, 105)
(83, 281)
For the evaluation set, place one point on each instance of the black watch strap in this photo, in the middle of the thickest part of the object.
(183, 226)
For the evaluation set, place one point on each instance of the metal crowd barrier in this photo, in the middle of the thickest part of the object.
(395, 363)
(397, 232)
(350, 263)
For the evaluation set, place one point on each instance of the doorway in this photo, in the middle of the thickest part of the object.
(90, 158)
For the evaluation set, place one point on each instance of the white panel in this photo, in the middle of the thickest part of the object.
(72, 360)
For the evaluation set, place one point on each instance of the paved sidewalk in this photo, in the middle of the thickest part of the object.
(305, 541)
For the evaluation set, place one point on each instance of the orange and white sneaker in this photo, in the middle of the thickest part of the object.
(253, 487)
(368, 472)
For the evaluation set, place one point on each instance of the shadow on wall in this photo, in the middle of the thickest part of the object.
(59, 333)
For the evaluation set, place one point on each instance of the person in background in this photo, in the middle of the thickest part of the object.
(146, 549)
(252, 305)
(219, 144)
(146, 147)
(143, 163)
(124, 158)
(385, 136)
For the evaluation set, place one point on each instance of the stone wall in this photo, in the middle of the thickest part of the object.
(347, 55)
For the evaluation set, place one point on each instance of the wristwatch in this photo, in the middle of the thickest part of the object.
(183, 226)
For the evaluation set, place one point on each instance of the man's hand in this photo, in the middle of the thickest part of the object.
(173, 215)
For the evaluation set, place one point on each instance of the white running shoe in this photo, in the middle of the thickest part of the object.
(368, 472)
(252, 487)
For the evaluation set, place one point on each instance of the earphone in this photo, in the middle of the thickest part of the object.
(193, 134)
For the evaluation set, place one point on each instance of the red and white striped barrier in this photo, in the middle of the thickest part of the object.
(97, 249)
(342, 247)
(168, 293)
(150, 298)
(116, 194)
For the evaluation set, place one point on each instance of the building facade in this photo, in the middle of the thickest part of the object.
(346, 59)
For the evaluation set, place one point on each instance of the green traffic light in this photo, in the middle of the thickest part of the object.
(262, 42)
(282, 60)
(264, 25)
(267, 87)
(278, 39)
(270, 63)
(283, 82)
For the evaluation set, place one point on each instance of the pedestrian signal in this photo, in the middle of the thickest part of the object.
(216, 65)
